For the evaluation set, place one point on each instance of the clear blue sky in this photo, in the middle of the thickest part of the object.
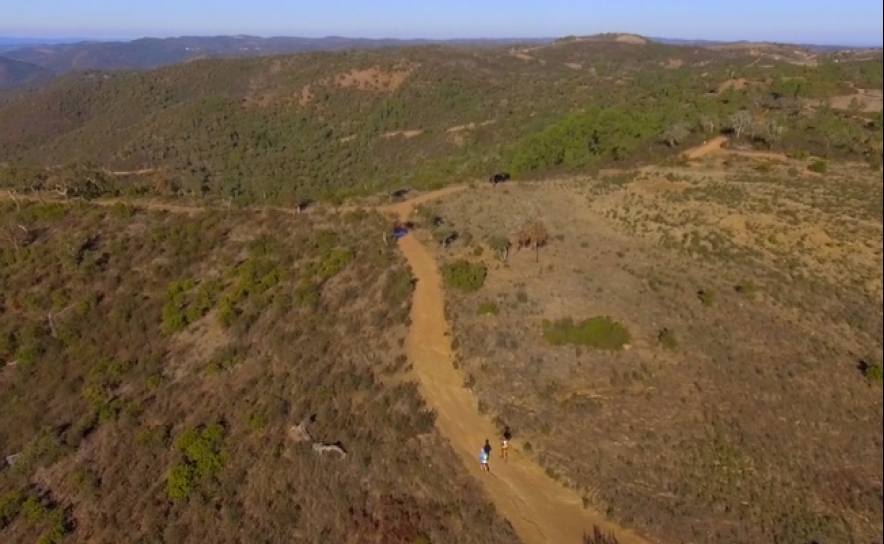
(848, 22)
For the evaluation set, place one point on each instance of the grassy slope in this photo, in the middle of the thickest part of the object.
(284, 317)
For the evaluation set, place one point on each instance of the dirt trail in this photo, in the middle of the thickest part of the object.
(711, 146)
(540, 510)
(715, 145)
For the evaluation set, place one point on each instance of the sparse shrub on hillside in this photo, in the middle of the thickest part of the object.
(501, 245)
(463, 275)
(595, 332)
(488, 308)
(706, 296)
(820, 167)
(302, 339)
(667, 339)
(873, 373)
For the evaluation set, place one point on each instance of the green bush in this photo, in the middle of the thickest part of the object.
(464, 275)
(874, 373)
(667, 339)
(488, 308)
(10, 505)
(595, 332)
(707, 298)
(820, 167)
(204, 456)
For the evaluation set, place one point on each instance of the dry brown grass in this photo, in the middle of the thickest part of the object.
(740, 425)
(867, 100)
(373, 79)
(631, 39)
(407, 134)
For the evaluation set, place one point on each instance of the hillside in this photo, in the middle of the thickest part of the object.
(154, 367)
(147, 53)
(672, 304)
(332, 124)
(14, 73)
(693, 347)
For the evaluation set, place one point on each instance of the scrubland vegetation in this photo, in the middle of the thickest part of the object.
(690, 337)
(152, 364)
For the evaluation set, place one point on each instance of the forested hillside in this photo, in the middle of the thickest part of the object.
(14, 73)
(347, 122)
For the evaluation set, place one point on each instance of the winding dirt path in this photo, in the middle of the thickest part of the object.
(540, 510)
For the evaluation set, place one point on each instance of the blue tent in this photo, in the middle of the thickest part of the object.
(399, 233)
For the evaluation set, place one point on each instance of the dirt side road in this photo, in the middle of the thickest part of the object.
(541, 510)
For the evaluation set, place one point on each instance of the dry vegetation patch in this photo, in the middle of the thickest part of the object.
(743, 304)
(151, 376)
(373, 79)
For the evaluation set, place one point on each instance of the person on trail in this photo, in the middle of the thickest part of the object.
(505, 446)
(483, 460)
(487, 448)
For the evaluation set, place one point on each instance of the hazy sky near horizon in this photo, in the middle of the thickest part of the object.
(843, 22)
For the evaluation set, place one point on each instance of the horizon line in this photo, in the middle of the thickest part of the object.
(37, 40)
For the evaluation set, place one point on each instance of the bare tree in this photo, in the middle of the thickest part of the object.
(61, 190)
(773, 131)
(17, 235)
(50, 319)
(12, 195)
(707, 123)
(299, 433)
(676, 134)
(533, 235)
(741, 122)
(326, 448)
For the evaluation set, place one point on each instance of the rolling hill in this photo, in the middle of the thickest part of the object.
(336, 123)
(15, 72)
(672, 305)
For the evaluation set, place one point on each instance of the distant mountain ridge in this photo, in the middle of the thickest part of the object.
(145, 53)
(64, 55)
(15, 72)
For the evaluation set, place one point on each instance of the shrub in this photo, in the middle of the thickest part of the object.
(707, 298)
(820, 167)
(874, 373)
(10, 505)
(205, 456)
(488, 308)
(595, 332)
(464, 275)
(667, 339)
